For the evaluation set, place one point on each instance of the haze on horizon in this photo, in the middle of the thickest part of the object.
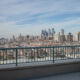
(31, 16)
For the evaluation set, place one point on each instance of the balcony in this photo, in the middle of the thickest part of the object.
(66, 76)
(31, 62)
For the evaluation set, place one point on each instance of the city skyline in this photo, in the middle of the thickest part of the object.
(31, 16)
(50, 32)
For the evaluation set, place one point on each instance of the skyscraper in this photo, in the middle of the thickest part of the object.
(62, 31)
(53, 31)
(49, 33)
(44, 34)
(69, 37)
(62, 36)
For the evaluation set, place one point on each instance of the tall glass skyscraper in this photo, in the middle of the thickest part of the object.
(53, 31)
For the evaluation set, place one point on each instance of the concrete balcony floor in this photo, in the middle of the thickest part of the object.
(59, 70)
(66, 76)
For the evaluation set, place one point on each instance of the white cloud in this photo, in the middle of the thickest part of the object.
(13, 8)
(39, 6)
(10, 28)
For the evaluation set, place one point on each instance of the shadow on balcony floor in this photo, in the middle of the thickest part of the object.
(66, 76)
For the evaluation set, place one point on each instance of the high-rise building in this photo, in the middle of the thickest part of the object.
(62, 36)
(70, 37)
(14, 39)
(53, 31)
(57, 36)
(49, 33)
(21, 38)
(62, 32)
(77, 36)
(44, 34)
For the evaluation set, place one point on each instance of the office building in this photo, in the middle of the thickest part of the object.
(70, 37)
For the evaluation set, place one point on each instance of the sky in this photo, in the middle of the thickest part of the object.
(31, 16)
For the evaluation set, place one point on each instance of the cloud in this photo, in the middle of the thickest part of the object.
(10, 28)
(16, 7)
(31, 16)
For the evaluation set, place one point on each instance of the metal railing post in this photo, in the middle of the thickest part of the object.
(74, 53)
(3, 56)
(53, 54)
(16, 57)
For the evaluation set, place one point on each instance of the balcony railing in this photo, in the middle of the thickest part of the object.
(37, 54)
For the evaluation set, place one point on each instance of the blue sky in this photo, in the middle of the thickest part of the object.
(31, 16)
